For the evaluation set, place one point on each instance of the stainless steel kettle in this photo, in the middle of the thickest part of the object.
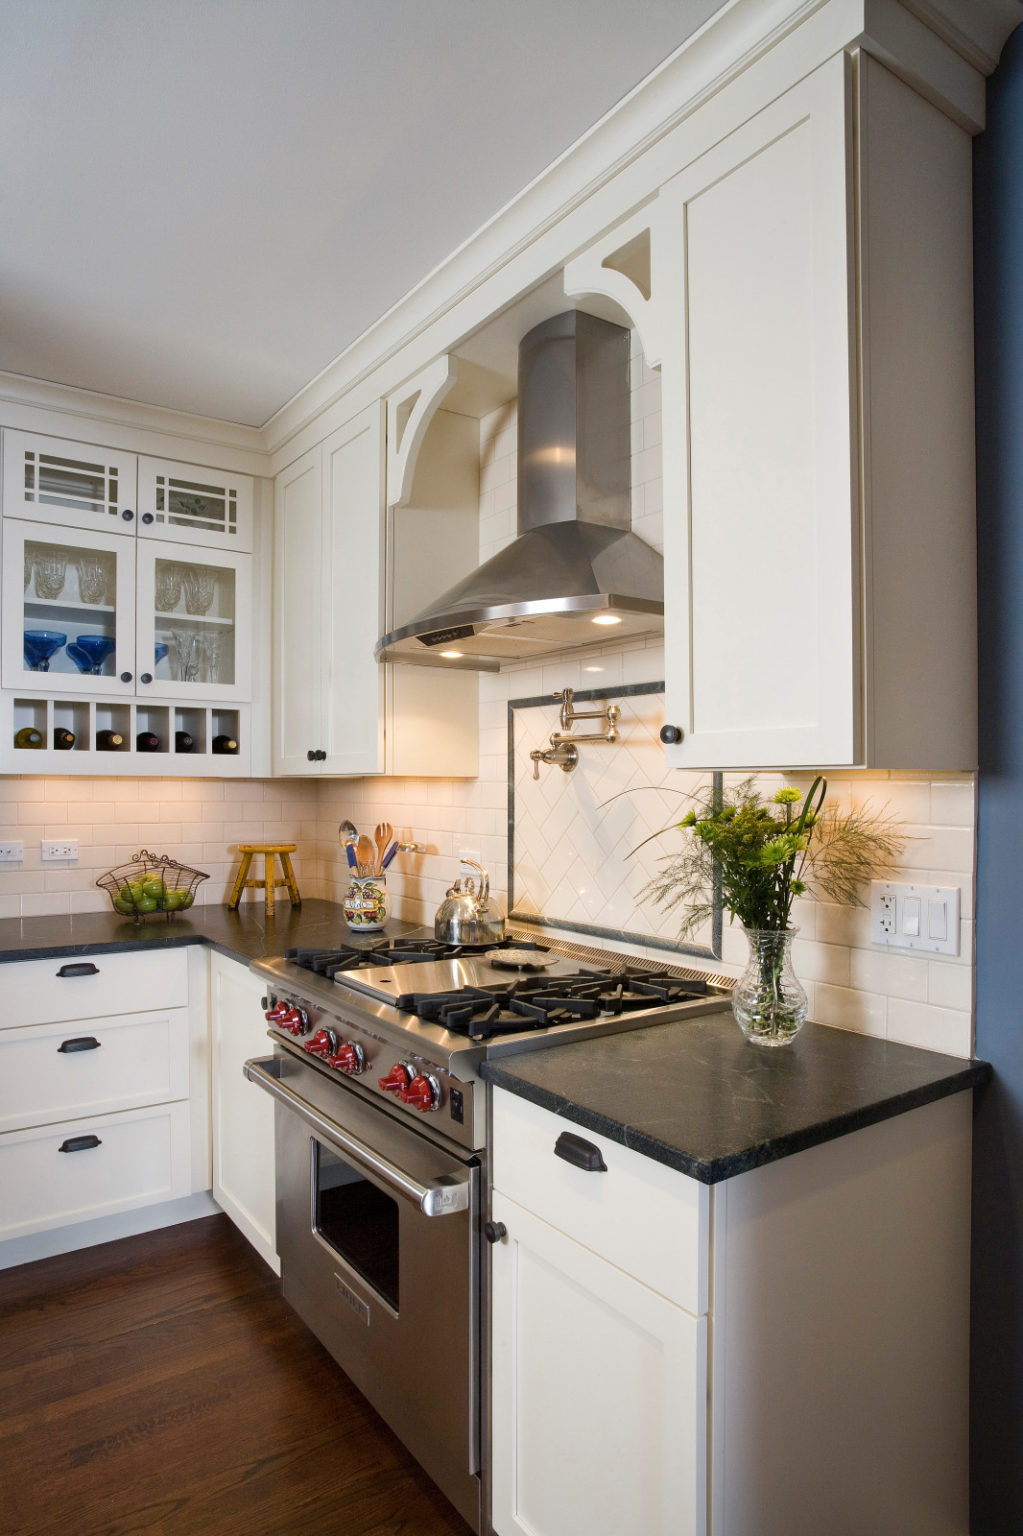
(462, 917)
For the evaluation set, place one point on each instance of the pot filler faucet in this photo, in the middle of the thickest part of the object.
(563, 750)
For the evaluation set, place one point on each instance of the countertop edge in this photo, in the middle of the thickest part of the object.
(974, 1073)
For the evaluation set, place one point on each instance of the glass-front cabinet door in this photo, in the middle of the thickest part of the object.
(190, 504)
(76, 485)
(194, 619)
(68, 610)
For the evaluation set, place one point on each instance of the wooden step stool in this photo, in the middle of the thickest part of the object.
(268, 850)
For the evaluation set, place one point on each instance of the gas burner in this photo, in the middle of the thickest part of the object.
(353, 957)
(534, 1003)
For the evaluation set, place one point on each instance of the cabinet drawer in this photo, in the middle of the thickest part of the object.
(142, 1157)
(649, 1220)
(112, 1064)
(35, 992)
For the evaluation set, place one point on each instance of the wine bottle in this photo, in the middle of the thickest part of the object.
(63, 740)
(147, 741)
(109, 741)
(183, 742)
(28, 736)
(224, 744)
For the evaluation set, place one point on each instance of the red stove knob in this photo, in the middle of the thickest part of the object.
(276, 1013)
(323, 1043)
(294, 1020)
(350, 1058)
(423, 1092)
(398, 1079)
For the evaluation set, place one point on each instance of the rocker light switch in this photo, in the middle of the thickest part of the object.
(915, 916)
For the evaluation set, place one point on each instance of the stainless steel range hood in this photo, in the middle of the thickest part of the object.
(576, 564)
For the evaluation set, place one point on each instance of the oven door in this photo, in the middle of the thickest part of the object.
(377, 1231)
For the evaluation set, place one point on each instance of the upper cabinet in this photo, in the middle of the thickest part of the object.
(80, 485)
(804, 285)
(127, 618)
(336, 710)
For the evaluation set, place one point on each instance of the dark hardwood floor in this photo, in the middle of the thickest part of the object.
(160, 1385)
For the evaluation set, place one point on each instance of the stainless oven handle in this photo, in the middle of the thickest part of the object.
(433, 1199)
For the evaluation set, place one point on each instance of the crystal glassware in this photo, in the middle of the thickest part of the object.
(29, 562)
(167, 585)
(211, 644)
(51, 570)
(187, 654)
(200, 584)
(92, 579)
(40, 645)
(89, 652)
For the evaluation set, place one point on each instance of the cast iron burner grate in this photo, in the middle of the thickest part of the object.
(542, 1003)
(352, 957)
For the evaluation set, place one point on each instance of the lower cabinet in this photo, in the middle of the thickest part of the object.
(102, 1104)
(243, 1116)
(599, 1420)
(806, 1371)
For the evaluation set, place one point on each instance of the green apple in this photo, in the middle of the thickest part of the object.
(124, 905)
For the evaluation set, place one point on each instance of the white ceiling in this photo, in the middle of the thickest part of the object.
(203, 202)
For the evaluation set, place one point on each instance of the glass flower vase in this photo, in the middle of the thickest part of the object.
(769, 1003)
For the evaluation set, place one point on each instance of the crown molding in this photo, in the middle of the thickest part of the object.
(41, 406)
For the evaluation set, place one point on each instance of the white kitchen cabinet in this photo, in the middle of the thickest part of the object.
(243, 1116)
(336, 709)
(84, 485)
(102, 1101)
(805, 1371)
(805, 287)
(172, 620)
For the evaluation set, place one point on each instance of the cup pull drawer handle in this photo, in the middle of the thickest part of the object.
(79, 968)
(580, 1153)
(79, 1144)
(80, 1043)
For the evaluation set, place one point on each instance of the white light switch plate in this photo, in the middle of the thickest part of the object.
(915, 916)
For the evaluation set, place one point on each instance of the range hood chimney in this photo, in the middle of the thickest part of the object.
(576, 564)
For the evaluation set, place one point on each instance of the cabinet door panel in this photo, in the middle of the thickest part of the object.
(77, 485)
(243, 1116)
(298, 606)
(591, 1371)
(761, 511)
(63, 562)
(191, 504)
(353, 468)
(197, 603)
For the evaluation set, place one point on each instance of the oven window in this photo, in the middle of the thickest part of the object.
(358, 1220)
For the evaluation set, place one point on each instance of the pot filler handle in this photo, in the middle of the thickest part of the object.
(435, 1199)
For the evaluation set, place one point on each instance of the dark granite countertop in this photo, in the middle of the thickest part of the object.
(693, 1094)
(247, 934)
(697, 1096)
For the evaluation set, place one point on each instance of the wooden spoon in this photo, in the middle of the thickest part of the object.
(364, 854)
(383, 837)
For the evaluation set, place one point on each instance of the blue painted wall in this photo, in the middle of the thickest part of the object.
(997, 1387)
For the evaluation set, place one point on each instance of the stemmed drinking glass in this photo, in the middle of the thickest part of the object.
(187, 649)
(51, 569)
(168, 585)
(92, 579)
(200, 584)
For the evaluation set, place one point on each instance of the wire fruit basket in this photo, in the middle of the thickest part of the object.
(151, 884)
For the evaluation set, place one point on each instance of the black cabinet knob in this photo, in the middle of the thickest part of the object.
(127, 515)
(311, 756)
(147, 518)
(671, 734)
(125, 677)
(494, 1231)
(146, 677)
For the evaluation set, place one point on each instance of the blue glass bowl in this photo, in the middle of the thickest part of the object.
(161, 651)
(89, 652)
(40, 645)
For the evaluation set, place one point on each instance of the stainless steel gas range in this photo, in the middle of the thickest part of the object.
(381, 1131)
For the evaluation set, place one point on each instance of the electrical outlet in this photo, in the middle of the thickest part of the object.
(59, 852)
(11, 853)
(922, 917)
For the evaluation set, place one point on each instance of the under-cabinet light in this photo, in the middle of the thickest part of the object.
(606, 618)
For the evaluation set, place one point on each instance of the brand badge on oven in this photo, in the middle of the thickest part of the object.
(358, 1306)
